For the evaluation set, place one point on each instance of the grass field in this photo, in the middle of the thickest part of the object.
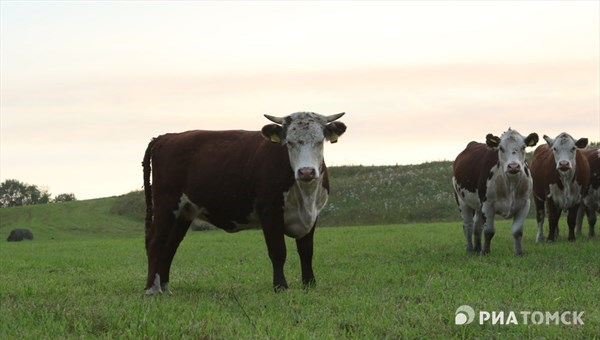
(83, 276)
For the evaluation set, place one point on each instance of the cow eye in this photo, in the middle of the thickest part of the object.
(573, 149)
(501, 149)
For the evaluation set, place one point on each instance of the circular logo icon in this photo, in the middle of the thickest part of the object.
(464, 315)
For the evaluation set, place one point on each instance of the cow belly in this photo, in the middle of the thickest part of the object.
(466, 197)
(188, 210)
(302, 204)
(567, 197)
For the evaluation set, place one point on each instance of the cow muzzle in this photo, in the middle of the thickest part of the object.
(564, 166)
(513, 168)
(306, 174)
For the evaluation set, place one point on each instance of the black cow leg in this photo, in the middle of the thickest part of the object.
(553, 217)
(274, 238)
(305, 250)
(177, 232)
(571, 221)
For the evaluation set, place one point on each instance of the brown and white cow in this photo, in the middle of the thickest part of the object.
(591, 202)
(560, 177)
(490, 179)
(238, 180)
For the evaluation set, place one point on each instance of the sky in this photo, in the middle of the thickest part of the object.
(85, 85)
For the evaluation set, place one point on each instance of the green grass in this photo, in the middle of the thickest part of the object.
(83, 274)
(388, 281)
(70, 220)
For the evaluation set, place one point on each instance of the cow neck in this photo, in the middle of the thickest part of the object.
(308, 191)
(566, 178)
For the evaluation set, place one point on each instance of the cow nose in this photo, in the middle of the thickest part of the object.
(513, 168)
(306, 174)
(564, 165)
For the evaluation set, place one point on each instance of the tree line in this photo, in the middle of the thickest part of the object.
(14, 193)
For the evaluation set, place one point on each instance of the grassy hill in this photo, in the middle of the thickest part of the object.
(360, 195)
(69, 219)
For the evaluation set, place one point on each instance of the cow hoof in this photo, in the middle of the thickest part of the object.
(309, 284)
(156, 287)
(280, 288)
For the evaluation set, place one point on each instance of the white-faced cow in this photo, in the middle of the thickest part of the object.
(591, 202)
(238, 180)
(560, 177)
(490, 179)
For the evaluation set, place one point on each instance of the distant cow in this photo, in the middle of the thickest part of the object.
(591, 202)
(493, 179)
(238, 180)
(560, 177)
(19, 235)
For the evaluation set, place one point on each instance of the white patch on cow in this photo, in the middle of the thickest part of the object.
(189, 210)
(508, 193)
(155, 289)
(302, 204)
(567, 197)
(158, 288)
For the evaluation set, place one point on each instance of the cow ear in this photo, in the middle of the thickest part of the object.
(492, 141)
(581, 143)
(273, 132)
(532, 139)
(334, 130)
(548, 140)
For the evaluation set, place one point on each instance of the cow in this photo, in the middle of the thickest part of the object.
(591, 202)
(19, 235)
(560, 179)
(275, 178)
(489, 179)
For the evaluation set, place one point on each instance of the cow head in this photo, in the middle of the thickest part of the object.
(304, 133)
(564, 147)
(511, 149)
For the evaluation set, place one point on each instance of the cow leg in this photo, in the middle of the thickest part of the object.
(305, 250)
(155, 244)
(540, 215)
(467, 216)
(274, 237)
(591, 215)
(581, 212)
(479, 220)
(553, 217)
(178, 231)
(489, 229)
(571, 219)
(517, 228)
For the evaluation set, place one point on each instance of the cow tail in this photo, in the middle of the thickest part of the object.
(147, 165)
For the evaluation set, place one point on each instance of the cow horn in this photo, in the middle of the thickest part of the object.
(334, 117)
(274, 119)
